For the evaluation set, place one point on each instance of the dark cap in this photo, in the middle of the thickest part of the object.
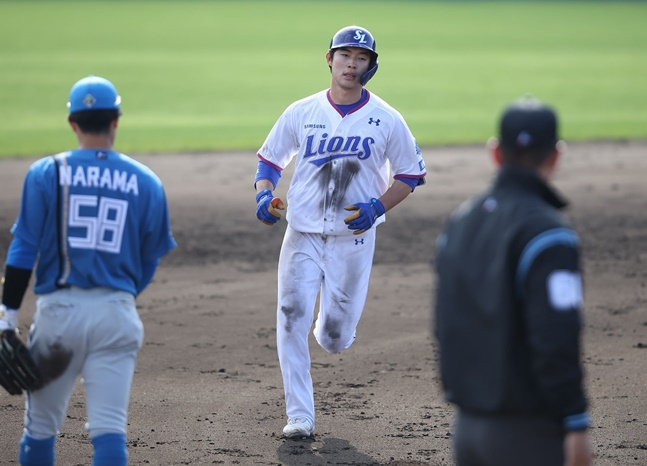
(528, 123)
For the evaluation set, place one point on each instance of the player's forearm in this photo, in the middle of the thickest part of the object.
(14, 286)
(267, 172)
(395, 194)
(21, 257)
(264, 184)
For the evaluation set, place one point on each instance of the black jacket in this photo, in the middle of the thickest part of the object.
(508, 345)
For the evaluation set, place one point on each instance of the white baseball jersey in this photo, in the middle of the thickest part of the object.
(340, 160)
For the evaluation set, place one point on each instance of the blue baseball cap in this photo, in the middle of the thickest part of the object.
(93, 93)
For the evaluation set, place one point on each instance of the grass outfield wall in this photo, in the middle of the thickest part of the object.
(203, 76)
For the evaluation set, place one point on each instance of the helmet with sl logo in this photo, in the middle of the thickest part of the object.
(357, 36)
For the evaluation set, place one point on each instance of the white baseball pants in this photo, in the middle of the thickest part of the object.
(95, 334)
(338, 269)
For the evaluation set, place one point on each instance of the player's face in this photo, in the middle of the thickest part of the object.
(347, 65)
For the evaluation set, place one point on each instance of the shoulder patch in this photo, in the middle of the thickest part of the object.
(564, 289)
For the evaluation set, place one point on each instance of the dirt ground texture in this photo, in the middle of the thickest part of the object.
(208, 387)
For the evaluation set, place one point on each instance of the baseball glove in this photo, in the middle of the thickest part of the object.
(18, 371)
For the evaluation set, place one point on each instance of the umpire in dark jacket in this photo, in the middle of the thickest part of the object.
(508, 309)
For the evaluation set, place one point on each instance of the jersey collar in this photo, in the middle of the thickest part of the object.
(344, 110)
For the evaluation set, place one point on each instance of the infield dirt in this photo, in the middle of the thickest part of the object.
(208, 388)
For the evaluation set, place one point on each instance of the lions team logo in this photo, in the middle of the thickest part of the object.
(325, 149)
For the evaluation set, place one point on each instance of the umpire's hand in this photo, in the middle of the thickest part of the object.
(577, 449)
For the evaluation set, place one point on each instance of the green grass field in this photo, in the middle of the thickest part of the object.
(203, 76)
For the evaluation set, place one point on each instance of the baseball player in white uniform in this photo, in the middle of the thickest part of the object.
(94, 223)
(347, 143)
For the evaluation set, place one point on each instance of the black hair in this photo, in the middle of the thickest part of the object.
(527, 157)
(94, 121)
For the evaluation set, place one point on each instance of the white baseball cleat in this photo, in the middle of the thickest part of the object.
(299, 427)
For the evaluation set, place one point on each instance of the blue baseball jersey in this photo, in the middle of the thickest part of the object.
(98, 218)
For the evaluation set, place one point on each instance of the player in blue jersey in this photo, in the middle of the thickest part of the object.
(95, 222)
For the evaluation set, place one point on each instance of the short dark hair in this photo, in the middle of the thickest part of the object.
(526, 157)
(94, 121)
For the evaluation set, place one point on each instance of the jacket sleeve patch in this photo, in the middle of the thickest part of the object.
(564, 289)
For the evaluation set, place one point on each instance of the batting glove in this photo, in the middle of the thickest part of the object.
(364, 216)
(8, 318)
(266, 208)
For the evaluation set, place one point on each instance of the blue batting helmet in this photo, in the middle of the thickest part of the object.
(93, 93)
(356, 36)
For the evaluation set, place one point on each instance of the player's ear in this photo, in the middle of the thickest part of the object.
(551, 161)
(73, 125)
(329, 58)
(495, 150)
(547, 167)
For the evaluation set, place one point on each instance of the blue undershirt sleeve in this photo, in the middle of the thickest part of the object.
(267, 172)
(412, 182)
